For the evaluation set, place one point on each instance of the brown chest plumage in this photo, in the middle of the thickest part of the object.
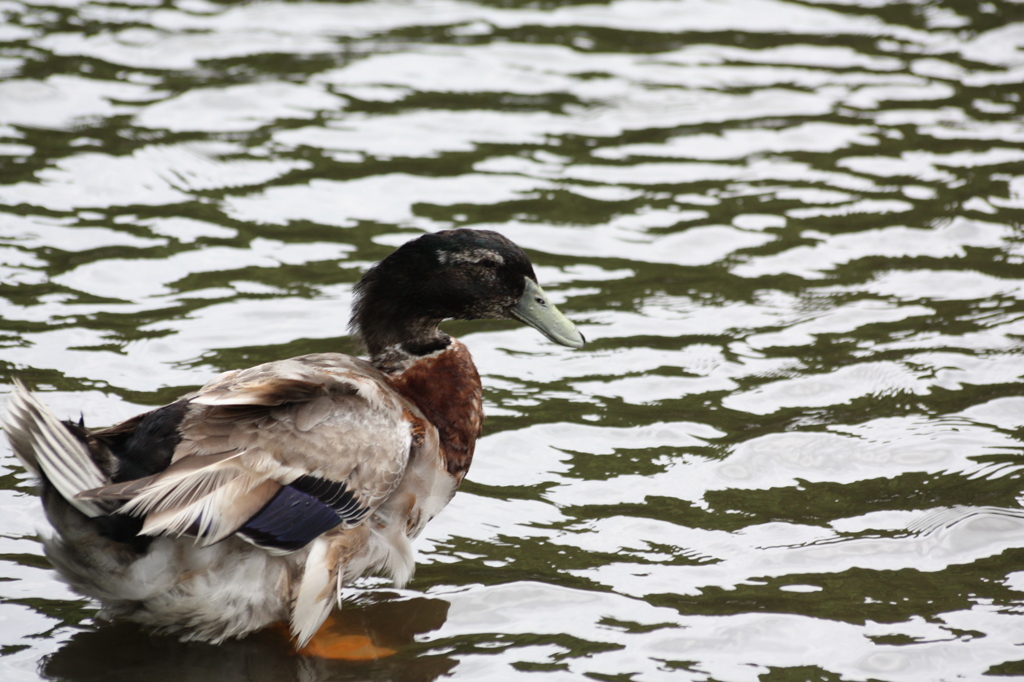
(446, 387)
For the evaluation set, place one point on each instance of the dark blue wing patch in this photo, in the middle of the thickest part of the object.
(334, 494)
(301, 512)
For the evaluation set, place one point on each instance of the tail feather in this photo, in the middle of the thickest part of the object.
(46, 448)
(19, 436)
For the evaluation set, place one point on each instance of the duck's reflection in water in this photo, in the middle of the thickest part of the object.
(125, 653)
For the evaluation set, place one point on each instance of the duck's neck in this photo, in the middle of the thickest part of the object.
(395, 354)
(392, 328)
(445, 386)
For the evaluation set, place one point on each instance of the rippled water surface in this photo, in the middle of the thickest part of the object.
(792, 232)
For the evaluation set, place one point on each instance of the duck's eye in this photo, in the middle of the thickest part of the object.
(488, 263)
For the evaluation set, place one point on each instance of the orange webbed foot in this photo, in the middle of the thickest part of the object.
(331, 644)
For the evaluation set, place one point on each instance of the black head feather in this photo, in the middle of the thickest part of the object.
(456, 274)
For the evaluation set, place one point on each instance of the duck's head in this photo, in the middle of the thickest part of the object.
(456, 274)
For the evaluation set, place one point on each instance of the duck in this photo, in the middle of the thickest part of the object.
(250, 502)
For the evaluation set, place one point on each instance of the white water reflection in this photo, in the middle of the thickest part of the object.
(383, 198)
(944, 241)
(144, 48)
(62, 101)
(237, 108)
(154, 176)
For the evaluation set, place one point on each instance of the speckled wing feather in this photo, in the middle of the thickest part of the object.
(280, 452)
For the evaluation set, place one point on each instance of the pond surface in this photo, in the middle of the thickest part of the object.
(791, 231)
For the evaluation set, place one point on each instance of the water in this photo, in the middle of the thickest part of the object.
(791, 232)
